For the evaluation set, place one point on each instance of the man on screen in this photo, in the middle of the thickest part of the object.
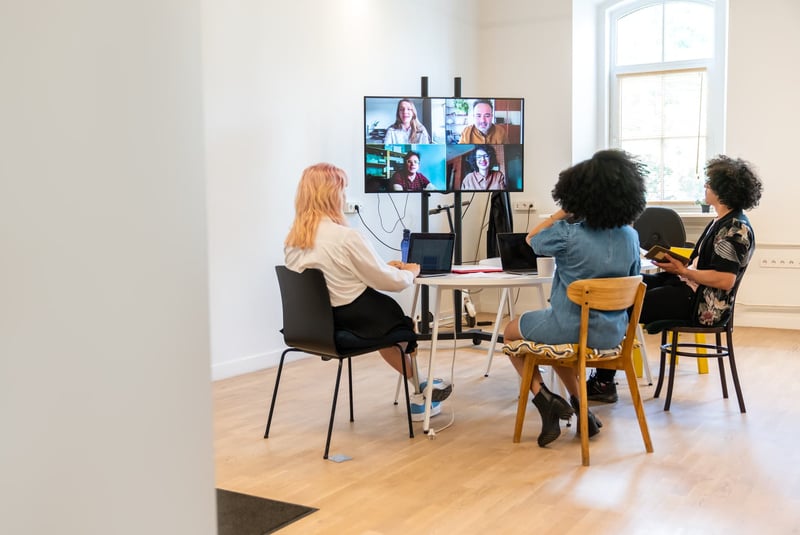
(484, 131)
(409, 178)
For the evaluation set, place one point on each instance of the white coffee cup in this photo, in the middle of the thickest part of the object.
(545, 265)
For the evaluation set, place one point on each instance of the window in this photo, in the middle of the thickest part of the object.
(666, 84)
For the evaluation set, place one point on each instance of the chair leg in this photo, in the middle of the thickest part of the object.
(734, 372)
(333, 408)
(636, 399)
(350, 386)
(583, 418)
(673, 363)
(641, 353)
(721, 365)
(662, 365)
(275, 392)
(524, 388)
(405, 384)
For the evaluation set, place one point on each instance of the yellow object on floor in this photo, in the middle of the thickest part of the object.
(699, 338)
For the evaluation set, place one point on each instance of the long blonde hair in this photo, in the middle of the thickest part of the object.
(320, 193)
(416, 126)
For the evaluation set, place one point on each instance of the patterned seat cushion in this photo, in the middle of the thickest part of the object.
(518, 348)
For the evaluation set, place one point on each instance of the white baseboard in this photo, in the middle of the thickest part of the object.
(770, 317)
(252, 363)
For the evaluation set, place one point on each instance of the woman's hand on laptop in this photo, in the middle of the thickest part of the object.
(408, 266)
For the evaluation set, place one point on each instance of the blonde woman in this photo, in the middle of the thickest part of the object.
(354, 273)
(406, 128)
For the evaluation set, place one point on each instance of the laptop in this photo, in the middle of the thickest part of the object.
(433, 251)
(516, 256)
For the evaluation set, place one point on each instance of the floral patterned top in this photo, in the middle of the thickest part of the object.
(726, 245)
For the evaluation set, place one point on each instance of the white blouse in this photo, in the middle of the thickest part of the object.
(349, 262)
(399, 136)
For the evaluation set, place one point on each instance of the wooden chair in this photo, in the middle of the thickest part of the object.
(670, 331)
(605, 294)
(308, 327)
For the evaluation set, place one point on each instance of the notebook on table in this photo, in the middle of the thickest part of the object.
(516, 256)
(433, 251)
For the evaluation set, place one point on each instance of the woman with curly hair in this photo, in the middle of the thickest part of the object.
(483, 160)
(701, 291)
(590, 237)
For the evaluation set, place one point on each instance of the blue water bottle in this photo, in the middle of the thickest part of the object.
(404, 244)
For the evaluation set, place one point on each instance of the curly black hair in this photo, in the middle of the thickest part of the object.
(606, 191)
(488, 149)
(735, 184)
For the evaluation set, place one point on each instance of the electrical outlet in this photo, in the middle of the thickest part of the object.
(523, 206)
(780, 261)
(351, 207)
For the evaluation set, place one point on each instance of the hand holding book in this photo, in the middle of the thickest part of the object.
(659, 254)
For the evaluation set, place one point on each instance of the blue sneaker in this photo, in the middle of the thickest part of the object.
(418, 409)
(441, 390)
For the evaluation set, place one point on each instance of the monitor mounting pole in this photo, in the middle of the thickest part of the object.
(455, 226)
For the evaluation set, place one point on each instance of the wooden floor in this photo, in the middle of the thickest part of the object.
(714, 470)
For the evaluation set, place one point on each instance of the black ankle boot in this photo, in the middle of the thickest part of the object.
(550, 427)
(562, 408)
(594, 422)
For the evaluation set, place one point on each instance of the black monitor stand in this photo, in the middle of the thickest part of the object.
(476, 335)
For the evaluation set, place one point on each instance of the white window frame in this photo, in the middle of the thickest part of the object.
(715, 68)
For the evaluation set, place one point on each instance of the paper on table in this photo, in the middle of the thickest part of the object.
(464, 269)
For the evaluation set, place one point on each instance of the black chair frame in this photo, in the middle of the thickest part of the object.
(308, 327)
(670, 345)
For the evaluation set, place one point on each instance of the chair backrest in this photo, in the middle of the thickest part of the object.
(307, 311)
(735, 290)
(607, 294)
(660, 226)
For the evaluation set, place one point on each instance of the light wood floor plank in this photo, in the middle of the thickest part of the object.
(714, 470)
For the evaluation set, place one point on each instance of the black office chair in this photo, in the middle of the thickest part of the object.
(660, 226)
(308, 327)
(718, 350)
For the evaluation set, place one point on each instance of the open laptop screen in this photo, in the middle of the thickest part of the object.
(432, 251)
(515, 253)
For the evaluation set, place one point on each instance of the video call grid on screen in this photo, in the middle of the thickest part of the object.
(441, 162)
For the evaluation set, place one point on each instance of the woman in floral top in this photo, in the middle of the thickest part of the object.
(702, 289)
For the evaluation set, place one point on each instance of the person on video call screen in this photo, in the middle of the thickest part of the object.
(483, 162)
(483, 131)
(409, 178)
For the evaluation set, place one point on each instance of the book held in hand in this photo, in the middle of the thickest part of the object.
(659, 254)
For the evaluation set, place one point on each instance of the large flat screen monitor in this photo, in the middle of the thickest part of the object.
(443, 144)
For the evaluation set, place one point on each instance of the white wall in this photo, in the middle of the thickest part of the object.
(284, 86)
(104, 356)
(526, 52)
(762, 120)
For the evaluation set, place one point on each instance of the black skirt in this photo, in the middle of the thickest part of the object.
(372, 316)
